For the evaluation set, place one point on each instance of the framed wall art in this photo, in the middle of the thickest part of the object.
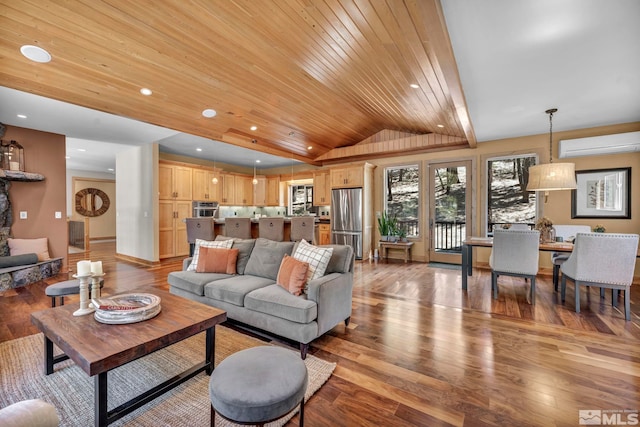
(602, 193)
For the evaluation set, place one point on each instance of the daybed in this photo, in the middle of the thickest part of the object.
(252, 296)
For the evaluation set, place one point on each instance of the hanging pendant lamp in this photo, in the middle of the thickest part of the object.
(551, 176)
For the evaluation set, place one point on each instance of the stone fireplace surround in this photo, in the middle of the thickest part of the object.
(13, 277)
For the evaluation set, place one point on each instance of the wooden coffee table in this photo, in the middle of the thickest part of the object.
(97, 348)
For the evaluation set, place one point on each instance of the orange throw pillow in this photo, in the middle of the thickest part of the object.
(217, 260)
(292, 275)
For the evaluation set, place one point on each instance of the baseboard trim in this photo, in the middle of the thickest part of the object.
(144, 262)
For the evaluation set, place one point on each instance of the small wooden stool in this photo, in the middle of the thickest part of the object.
(68, 287)
(405, 246)
(258, 385)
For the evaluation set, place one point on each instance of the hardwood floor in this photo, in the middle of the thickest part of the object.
(420, 351)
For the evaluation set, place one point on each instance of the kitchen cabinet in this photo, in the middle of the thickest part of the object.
(228, 183)
(273, 191)
(172, 229)
(244, 190)
(203, 186)
(321, 188)
(260, 192)
(324, 234)
(350, 176)
(175, 182)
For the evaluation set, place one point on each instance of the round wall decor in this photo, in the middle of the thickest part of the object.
(92, 202)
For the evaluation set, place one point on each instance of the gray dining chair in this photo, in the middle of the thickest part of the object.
(199, 228)
(271, 228)
(605, 260)
(237, 227)
(515, 253)
(568, 233)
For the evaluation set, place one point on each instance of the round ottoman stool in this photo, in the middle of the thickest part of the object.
(68, 287)
(258, 385)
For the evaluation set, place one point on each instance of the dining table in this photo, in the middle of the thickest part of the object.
(487, 242)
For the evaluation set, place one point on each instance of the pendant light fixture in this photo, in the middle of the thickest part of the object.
(255, 180)
(215, 174)
(551, 176)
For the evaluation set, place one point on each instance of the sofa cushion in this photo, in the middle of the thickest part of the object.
(15, 260)
(217, 260)
(341, 259)
(293, 275)
(234, 289)
(244, 246)
(209, 244)
(40, 247)
(266, 258)
(276, 301)
(193, 282)
(317, 257)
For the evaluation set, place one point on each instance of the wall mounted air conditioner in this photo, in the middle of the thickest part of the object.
(599, 145)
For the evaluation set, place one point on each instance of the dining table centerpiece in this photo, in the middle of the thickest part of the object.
(545, 226)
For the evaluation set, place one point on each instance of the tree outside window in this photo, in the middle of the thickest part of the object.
(508, 201)
(402, 196)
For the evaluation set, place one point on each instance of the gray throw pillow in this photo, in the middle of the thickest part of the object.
(266, 258)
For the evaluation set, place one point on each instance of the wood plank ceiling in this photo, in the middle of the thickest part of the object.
(320, 73)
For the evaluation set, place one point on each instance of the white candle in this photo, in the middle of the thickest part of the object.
(84, 267)
(14, 166)
(96, 267)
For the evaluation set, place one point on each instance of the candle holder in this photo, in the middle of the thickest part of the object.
(95, 287)
(84, 294)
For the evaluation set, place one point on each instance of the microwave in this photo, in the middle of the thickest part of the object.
(201, 209)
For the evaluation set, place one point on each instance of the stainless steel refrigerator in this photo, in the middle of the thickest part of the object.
(346, 218)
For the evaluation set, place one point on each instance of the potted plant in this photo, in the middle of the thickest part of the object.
(599, 229)
(402, 234)
(383, 226)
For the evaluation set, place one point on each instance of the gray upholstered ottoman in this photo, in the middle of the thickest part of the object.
(258, 385)
(68, 287)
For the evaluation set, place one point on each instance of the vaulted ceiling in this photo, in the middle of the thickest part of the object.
(321, 74)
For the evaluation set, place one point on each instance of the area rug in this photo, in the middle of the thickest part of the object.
(70, 390)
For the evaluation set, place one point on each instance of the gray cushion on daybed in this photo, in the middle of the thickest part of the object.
(15, 260)
(192, 281)
(277, 301)
(266, 258)
(244, 246)
(234, 289)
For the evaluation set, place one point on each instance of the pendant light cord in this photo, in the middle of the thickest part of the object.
(550, 113)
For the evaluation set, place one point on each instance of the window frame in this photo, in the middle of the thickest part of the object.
(418, 166)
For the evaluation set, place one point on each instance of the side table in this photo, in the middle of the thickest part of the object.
(405, 246)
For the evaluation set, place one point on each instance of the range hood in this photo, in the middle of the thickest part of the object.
(599, 145)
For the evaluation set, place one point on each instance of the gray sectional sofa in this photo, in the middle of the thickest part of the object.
(253, 298)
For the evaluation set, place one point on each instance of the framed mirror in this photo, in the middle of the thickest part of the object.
(92, 202)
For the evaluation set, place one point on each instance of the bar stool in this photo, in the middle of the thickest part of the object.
(271, 228)
(302, 227)
(199, 228)
(237, 227)
(258, 385)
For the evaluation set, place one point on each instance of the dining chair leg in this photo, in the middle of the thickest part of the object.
(494, 284)
(533, 290)
(563, 288)
(601, 293)
(577, 291)
(556, 274)
(627, 303)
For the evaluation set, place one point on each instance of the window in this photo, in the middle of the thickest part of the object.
(402, 196)
(301, 200)
(508, 201)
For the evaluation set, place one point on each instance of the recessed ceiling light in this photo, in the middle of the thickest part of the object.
(145, 91)
(22, 116)
(440, 126)
(257, 161)
(82, 149)
(415, 86)
(198, 149)
(67, 157)
(111, 169)
(254, 127)
(208, 113)
(309, 147)
(35, 53)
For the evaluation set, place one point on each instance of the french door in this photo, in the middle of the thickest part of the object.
(449, 209)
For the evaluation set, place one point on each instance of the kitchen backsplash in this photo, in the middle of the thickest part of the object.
(252, 211)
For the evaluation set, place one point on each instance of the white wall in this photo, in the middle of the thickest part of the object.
(137, 201)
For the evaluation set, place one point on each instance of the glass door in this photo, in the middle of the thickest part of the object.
(449, 207)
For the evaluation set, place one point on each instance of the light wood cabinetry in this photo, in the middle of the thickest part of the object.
(273, 191)
(175, 182)
(260, 192)
(344, 177)
(324, 234)
(172, 229)
(244, 190)
(321, 188)
(228, 183)
(203, 186)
